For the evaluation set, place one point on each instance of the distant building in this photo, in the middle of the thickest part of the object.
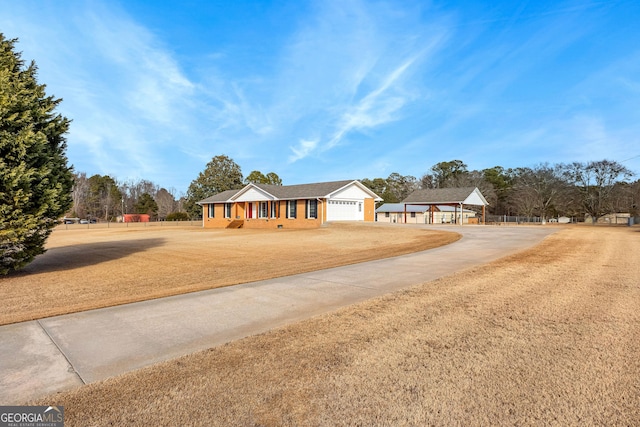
(423, 214)
(135, 218)
(612, 218)
(453, 198)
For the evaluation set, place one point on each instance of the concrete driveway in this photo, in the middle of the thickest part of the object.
(58, 353)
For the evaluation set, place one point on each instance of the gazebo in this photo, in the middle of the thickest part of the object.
(456, 197)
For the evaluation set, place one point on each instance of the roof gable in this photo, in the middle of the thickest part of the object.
(320, 190)
(252, 193)
(465, 195)
(312, 191)
(353, 190)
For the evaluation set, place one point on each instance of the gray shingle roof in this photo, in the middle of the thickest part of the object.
(319, 189)
(219, 198)
(286, 192)
(439, 195)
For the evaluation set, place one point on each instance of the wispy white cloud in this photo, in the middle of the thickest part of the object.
(123, 90)
(148, 80)
(360, 69)
(302, 150)
(376, 108)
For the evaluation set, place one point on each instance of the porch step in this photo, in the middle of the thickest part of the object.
(236, 223)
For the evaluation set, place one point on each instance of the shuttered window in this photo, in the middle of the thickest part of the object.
(312, 209)
(291, 208)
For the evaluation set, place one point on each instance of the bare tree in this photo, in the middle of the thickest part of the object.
(132, 191)
(595, 183)
(524, 200)
(543, 183)
(634, 207)
(79, 194)
(166, 203)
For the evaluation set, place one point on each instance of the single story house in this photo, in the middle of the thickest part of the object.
(290, 206)
(422, 214)
(455, 198)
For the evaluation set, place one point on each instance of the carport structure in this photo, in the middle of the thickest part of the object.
(456, 197)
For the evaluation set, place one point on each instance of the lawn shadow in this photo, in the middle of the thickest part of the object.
(87, 254)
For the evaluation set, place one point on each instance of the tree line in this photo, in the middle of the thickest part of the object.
(546, 190)
(105, 198)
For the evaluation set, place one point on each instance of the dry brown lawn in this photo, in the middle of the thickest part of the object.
(93, 268)
(549, 336)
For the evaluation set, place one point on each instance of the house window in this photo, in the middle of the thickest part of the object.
(386, 214)
(211, 210)
(264, 210)
(413, 214)
(291, 208)
(274, 206)
(360, 207)
(227, 210)
(312, 209)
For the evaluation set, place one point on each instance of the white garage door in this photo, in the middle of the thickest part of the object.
(345, 210)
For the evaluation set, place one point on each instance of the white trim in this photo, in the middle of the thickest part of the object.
(249, 189)
(359, 185)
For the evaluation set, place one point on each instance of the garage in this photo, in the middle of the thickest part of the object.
(345, 210)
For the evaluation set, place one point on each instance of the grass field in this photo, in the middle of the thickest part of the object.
(99, 267)
(549, 336)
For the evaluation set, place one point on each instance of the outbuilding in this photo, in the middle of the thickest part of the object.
(455, 198)
(422, 214)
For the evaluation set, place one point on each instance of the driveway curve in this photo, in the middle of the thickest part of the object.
(62, 352)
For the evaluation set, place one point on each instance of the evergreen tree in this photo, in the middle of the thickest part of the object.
(35, 180)
(146, 205)
(258, 177)
(104, 199)
(221, 174)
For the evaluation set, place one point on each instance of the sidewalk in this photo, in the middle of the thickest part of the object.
(63, 352)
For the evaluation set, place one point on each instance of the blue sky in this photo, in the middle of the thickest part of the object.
(328, 90)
